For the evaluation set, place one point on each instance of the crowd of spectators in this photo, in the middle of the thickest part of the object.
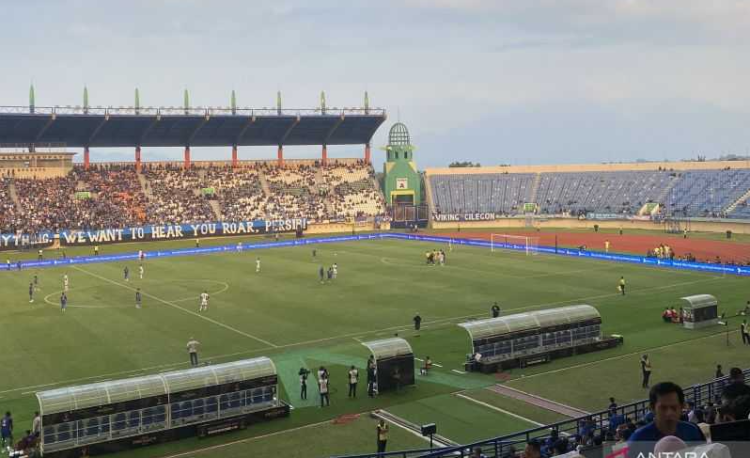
(113, 196)
(671, 423)
(175, 196)
(7, 208)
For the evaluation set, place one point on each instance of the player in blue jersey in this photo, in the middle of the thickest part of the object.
(31, 293)
(126, 273)
(138, 298)
(63, 302)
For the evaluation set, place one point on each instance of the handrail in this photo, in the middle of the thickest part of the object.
(502, 446)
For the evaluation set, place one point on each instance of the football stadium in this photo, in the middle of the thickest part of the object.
(359, 305)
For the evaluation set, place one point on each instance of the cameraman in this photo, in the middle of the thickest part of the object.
(303, 373)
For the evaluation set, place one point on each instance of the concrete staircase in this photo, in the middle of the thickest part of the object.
(320, 182)
(737, 202)
(13, 193)
(535, 187)
(144, 186)
(264, 185)
(216, 208)
(661, 198)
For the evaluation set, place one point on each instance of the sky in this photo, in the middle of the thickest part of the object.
(494, 82)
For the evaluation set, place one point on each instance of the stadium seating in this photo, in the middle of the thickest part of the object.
(707, 193)
(175, 196)
(352, 191)
(498, 193)
(694, 193)
(7, 208)
(109, 196)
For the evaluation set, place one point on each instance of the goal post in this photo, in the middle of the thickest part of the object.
(529, 245)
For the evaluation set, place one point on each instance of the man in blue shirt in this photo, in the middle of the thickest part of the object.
(6, 430)
(667, 401)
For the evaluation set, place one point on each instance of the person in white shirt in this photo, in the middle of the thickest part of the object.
(192, 348)
(36, 424)
(353, 379)
(140, 271)
(204, 301)
(323, 389)
(335, 270)
(66, 282)
(257, 265)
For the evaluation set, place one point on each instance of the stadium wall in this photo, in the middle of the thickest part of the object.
(619, 167)
(542, 222)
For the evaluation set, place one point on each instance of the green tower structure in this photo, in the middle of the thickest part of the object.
(403, 184)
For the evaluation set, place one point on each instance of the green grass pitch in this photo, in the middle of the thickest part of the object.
(285, 313)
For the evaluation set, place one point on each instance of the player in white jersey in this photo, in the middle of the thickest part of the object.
(335, 269)
(257, 265)
(140, 271)
(66, 283)
(204, 301)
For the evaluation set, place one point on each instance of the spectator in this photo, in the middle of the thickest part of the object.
(382, 433)
(719, 373)
(736, 375)
(666, 400)
(735, 410)
(533, 450)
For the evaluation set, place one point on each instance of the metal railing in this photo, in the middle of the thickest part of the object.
(505, 446)
(191, 111)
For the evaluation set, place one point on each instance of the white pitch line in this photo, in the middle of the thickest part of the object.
(627, 355)
(425, 438)
(346, 336)
(458, 372)
(198, 315)
(490, 406)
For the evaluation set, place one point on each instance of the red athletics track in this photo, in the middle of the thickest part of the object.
(703, 250)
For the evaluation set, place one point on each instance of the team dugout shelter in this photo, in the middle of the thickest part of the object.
(699, 311)
(121, 414)
(525, 339)
(394, 363)
(90, 127)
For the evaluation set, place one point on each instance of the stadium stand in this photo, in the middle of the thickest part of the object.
(499, 193)
(707, 193)
(239, 191)
(688, 193)
(7, 207)
(110, 196)
(352, 192)
(175, 196)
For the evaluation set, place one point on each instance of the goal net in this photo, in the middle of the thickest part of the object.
(529, 245)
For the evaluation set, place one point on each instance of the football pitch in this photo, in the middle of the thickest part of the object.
(284, 312)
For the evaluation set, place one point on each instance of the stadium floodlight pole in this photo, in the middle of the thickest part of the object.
(85, 100)
(233, 103)
(322, 102)
(186, 100)
(324, 155)
(278, 103)
(31, 99)
(137, 102)
(367, 103)
(138, 159)
(234, 156)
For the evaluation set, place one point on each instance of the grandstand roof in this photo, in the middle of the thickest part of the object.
(388, 348)
(164, 127)
(492, 327)
(103, 393)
